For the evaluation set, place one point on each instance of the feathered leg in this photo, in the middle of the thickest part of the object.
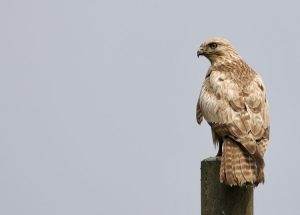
(220, 148)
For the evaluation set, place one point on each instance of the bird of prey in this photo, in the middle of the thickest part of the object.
(233, 102)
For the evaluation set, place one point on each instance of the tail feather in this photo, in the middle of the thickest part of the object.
(248, 168)
(241, 178)
(238, 167)
(228, 164)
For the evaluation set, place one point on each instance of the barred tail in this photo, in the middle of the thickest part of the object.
(238, 167)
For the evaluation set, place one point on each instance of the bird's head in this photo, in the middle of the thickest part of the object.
(217, 49)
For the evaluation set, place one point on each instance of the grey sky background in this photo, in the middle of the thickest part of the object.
(97, 111)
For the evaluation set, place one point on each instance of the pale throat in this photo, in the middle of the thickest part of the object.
(219, 59)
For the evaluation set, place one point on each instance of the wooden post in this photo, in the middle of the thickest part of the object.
(220, 199)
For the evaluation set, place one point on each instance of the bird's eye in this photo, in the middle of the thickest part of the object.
(213, 45)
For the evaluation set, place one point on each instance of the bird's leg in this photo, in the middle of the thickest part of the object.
(220, 148)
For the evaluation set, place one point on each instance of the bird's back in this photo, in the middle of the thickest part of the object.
(233, 102)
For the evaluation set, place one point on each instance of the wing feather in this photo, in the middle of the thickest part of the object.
(235, 109)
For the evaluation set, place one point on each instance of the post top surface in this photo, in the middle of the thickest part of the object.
(212, 159)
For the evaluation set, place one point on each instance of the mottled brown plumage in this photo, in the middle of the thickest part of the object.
(233, 102)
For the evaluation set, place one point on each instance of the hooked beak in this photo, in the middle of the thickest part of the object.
(200, 52)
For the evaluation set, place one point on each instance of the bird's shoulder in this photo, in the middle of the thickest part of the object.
(236, 71)
(234, 82)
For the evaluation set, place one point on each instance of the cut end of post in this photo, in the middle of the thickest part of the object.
(212, 159)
